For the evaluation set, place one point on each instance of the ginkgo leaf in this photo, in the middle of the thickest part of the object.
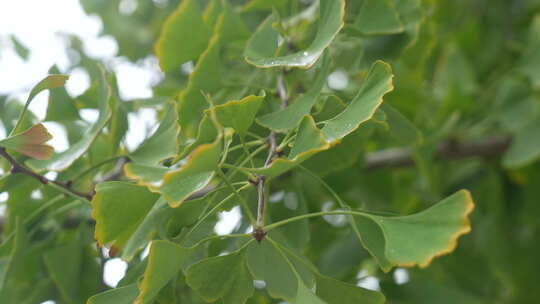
(222, 277)
(262, 46)
(336, 292)
(184, 36)
(205, 79)
(121, 295)
(379, 17)
(164, 262)
(31, 143)
(418, 238)
(119, 208)
(162, 144)
(199, 170)
(49, 82)
(239, 114)
(290, 117)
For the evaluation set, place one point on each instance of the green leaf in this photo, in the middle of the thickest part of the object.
(525, 147)
(401, 127)
(363, 105)
(122, 295)
(239, 114)
(266, 263)
(289, 117)
(531, 59)
(147, 175)
(336, 292)
(306, 296)
(65, 278)
(222, 277)
(49, 82)
(184, 36)
(162, 144)
(417, 239)
(199, 170)
(119, 208)
(262, 46)
(60, 107)
(144, 232)
(378, 17)
(20, 48)
(230, 26)
(63, 160)
(31, 143)
(309, 141)
(164, 262)
(255, 5)
(205, 78)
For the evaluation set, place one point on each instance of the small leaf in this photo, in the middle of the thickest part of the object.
(525, 147)
(222, 277)
(122, 295)
(378, 17)
(262, 46)
(65, 278)
(63, 160)
(164, 262)
(20, 48)
(291, 116)
(205, 78)
(31, 143)
(119, 208)
(309, 141)
(255, 5)
(179, 184)
(49, 82)
(239, 114)
(184, 36)
(363, 105)
(266, 263)
(162, 144)
(336, 292)
(306, 296)
(401, 127)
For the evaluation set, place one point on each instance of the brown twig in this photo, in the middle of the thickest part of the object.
(447, 150)
(258, 232)
(17, 167)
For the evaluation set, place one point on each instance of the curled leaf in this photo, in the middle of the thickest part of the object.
(31, 143)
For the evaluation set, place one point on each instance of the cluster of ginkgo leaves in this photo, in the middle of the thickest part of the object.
(249, 118)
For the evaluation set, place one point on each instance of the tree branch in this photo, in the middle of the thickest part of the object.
(447, 150)
(258, 232)
(16, 167)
